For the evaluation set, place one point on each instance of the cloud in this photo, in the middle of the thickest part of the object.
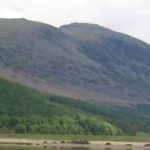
(128, 16)
(11, 14)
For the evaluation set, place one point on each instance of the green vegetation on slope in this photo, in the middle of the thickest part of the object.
(17, 100)
(131, 120)
(24, 110)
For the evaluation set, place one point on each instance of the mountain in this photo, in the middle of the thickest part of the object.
(78, 60)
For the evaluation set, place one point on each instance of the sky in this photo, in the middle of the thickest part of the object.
(127, 16)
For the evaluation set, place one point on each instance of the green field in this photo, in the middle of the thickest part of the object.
(78, 137)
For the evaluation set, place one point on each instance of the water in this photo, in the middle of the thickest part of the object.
(15, 147)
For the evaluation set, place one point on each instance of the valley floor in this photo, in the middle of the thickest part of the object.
(141, 138)
(90, 144)
(89, 141)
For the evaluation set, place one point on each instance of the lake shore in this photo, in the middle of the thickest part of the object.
(89, 144)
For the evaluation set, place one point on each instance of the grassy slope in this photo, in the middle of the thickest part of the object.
(130, 119)
(24, 110)
(20, 100)
(17, 100)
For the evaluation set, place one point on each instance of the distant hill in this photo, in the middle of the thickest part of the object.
(78, 60)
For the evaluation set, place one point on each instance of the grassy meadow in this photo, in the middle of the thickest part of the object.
(144, 138)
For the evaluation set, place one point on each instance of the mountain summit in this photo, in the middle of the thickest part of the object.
(77, 60)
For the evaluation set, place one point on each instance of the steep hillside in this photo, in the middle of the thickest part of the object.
(123, 60)
(78, 60)
(24, 110)
(17, 100)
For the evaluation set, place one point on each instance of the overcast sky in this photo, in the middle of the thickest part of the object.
(127, 16)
